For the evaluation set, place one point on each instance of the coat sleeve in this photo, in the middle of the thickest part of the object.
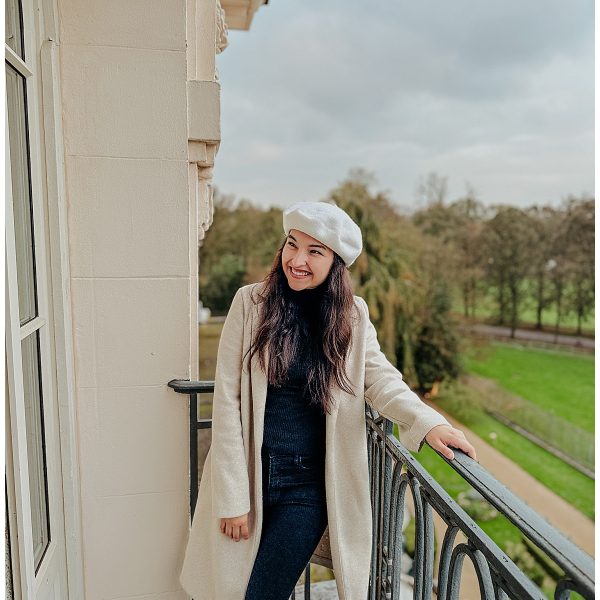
(230, 481)
(387, 392)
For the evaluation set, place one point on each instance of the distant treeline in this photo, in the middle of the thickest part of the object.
(541, 255)
(412, 264)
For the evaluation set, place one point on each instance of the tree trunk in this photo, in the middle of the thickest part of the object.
(558, 301)
(473, 284)
(514, 313)
(502, 302)
(540, 302)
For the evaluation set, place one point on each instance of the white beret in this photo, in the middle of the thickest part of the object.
(327, 223)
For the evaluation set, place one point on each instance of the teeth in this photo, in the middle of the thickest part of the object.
(299, 272)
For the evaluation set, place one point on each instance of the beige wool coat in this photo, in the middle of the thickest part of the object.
(216, 567)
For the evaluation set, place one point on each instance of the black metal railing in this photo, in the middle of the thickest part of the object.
(393, 471)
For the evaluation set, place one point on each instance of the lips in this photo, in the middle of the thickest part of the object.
(299, 274)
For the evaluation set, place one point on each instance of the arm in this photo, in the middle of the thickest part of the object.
(387, 392)
(230, 482)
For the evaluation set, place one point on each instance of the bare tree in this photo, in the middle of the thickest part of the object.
(432, 190)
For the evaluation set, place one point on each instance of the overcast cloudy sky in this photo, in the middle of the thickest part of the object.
(496, 94)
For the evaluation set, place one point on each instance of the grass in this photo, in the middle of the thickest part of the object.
(561, 383)
(208, 343)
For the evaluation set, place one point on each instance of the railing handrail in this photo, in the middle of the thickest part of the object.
(545, 536)
(185, 386)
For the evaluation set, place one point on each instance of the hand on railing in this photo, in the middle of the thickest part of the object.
(442, 437)
(235, 527)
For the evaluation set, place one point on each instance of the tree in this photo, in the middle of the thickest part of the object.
(506, 240)
(580, 240)
(436, 349)
(244, 230)
(466, 241)
(394, 275)
(543, 219)
(224, 279)
(432, 190)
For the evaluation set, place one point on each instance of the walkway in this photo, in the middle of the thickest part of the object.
(529, 335)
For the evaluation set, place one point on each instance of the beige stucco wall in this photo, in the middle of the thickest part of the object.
(133, 247)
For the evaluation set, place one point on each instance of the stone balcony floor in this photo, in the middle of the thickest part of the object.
(326, 590)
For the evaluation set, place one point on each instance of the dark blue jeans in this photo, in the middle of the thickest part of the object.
(294, 519)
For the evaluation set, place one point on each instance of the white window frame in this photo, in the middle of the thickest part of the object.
(40, 40)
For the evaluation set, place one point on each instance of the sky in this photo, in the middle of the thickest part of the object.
(498, 96)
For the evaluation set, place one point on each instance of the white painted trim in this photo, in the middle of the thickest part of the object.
(10, 494)
(54, 321)
(52, 573)
(61, 302)
(15, 386)
(194, 365)
(31, 326)
(17, 62)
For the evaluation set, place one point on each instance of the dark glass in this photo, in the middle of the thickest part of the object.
(13, 26)
(21, 194)
(36, 447)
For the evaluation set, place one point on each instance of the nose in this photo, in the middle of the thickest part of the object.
(299, 259)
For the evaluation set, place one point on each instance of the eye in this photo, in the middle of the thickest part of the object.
(291, 244)
(319, 253)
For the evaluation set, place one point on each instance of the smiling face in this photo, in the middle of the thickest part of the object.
(306, 261)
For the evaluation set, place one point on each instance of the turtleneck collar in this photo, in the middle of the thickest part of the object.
(307, 297)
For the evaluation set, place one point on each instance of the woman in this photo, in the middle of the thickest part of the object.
(297, 359)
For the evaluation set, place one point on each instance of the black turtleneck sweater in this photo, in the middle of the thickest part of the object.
(294, 425)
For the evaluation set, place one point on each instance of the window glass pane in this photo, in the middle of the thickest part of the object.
(21, 193)
(13, 26)
(36, 447)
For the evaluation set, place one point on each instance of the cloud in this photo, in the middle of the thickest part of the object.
(403, 88)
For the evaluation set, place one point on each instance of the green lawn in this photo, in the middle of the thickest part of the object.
(561, 383)
(208, 343)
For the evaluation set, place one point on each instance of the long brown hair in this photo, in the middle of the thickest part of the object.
(278, 329)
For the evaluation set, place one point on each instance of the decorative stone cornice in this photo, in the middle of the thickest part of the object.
(222, 31)
(239, 13)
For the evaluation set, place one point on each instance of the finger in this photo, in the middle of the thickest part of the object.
(236, 533)
(228, 530)
(244, 532)
(466, 447)
(448, 452)
(441, 447)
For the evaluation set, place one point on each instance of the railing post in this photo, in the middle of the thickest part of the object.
(193, 453)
